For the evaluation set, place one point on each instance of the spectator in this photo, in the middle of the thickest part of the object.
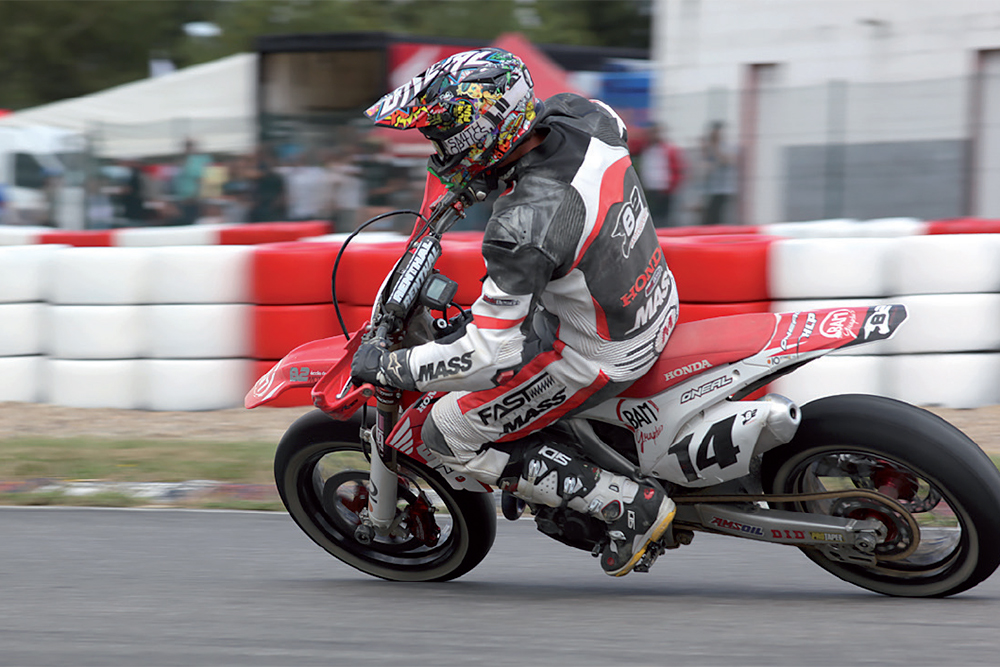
(238, 190)
(269, 192)
(719, 174)
(662, 169)
(187, 183)
(133, 197)
(346, 195)
(306, 184)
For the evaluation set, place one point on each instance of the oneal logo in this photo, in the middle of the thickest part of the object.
(696, 367)
(706, 388)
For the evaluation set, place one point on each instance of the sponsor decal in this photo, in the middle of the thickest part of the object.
(642, 437)
(499, 301)
(554, 455)
(646, 280)
(838, 323)
(644, 414)
(788, 334)
(519, 407)
(403, 439)
(726, 524)
(787, 534)
(749, 415)
(876, 326)
(706, 388)
(668, 328)
(826, 537)
(807, 330)
(453, 366)
(696, 367)
(647, 312)
(631, 221)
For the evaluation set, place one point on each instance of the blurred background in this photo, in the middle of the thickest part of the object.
(746, 112)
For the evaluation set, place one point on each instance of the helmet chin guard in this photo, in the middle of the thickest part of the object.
(474, 107)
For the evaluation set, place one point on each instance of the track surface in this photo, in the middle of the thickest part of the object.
(165, 587)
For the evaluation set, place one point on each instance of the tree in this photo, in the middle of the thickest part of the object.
(65, 48)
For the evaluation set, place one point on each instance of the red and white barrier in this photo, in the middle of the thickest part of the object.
(186, 318)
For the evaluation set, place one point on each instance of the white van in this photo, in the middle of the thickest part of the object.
(41, 176)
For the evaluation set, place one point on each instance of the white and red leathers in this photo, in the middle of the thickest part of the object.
(578, 301)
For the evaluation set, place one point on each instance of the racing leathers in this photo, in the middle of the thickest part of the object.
(577, 303)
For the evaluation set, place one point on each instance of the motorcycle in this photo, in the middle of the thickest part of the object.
(880, 493)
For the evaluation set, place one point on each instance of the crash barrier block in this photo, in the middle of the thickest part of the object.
(271, 232)
(99, 276)
(96, 332)
(21, 235)
(708, 230)
(294, 273)
(195, 384)
(719, 269)
(22, 379)
(183, 235)
(832, 375)
(200, 274)
(947, 323)
(462, 261)
(964, 226)
(95, 383)
(848, 228)
(21, 328)
(828, 268)
(79, 239)
(277, 330)
(691, 312)
(940, 264)
(24, 272)
(963, 380)
(199, 331)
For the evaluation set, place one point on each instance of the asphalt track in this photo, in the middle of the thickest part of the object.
(152, 588)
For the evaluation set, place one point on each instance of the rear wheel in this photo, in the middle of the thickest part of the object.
(322, 476)
(942, 478)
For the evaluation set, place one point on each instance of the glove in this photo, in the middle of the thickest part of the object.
(373, 363)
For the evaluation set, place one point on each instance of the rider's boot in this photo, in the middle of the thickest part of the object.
(636, 514)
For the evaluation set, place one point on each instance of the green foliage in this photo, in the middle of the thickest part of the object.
(55, 49)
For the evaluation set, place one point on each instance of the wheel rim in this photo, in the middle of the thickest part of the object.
(944, 533)
(331, 487)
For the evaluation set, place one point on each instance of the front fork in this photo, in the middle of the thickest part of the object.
(383, 479)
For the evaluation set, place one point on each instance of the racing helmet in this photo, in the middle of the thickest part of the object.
(474, 106)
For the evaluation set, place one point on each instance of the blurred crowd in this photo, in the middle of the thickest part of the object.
(344, 186)
(352, 181)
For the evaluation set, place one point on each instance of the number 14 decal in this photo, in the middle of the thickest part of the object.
(724, 450)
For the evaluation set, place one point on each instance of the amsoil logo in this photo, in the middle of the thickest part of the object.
(838, 324)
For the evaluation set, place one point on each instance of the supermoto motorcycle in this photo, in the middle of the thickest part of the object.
(880, 493)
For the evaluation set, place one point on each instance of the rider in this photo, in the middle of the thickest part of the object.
(577, 302)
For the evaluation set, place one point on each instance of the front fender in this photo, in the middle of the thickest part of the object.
(304, 366)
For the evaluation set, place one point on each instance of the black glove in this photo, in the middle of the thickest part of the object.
(373, 363)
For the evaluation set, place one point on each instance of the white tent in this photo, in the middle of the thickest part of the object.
(212, 103)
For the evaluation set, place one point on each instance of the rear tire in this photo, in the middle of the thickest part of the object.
(321, 476)
(959, 535)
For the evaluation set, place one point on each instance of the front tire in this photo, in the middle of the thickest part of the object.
(322, 476)
(941, 476)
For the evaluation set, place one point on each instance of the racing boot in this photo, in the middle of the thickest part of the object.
(636, 514)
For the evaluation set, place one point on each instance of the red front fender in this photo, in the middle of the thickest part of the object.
(321, 364)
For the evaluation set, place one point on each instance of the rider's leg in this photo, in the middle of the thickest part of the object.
(479, 433)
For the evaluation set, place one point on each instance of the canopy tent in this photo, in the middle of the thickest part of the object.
(211, 103)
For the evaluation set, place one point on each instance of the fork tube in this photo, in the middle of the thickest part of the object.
(383, 479)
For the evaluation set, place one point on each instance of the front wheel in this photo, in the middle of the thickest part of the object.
(322, 476)
(942, 478)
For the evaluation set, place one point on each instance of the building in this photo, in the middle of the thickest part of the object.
(839, 108)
